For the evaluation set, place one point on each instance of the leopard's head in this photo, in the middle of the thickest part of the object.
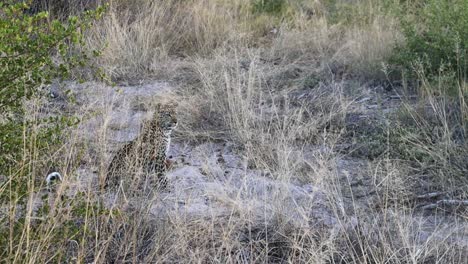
(167, 117)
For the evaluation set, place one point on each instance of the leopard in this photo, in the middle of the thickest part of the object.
(142, 162)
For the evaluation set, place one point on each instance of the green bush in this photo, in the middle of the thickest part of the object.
(436, 33)
(34, 51)
(272, 7)
(63, 8)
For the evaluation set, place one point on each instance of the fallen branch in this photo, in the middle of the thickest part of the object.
(446, 203)
(431, 195)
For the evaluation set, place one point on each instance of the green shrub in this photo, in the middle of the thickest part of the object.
(436, 35)
(34, 50)
(62, 8)
(272, 7)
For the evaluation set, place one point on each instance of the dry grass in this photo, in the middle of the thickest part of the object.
(234, 92)
(80, 228)
(140, 38)
(282, 100)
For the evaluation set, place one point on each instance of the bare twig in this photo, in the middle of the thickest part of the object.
(431, 195)
(446, 203)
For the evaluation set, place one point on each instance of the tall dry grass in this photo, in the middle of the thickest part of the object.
(141, 38)
(277, 96)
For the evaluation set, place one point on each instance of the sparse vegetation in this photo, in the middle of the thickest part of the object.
(329, 131)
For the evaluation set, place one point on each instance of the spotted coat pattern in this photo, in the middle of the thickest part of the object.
(140, 164)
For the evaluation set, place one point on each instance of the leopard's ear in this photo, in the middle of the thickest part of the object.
(157, 107)
(157, 110)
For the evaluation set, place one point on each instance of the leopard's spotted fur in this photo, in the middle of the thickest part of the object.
(141, 162)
